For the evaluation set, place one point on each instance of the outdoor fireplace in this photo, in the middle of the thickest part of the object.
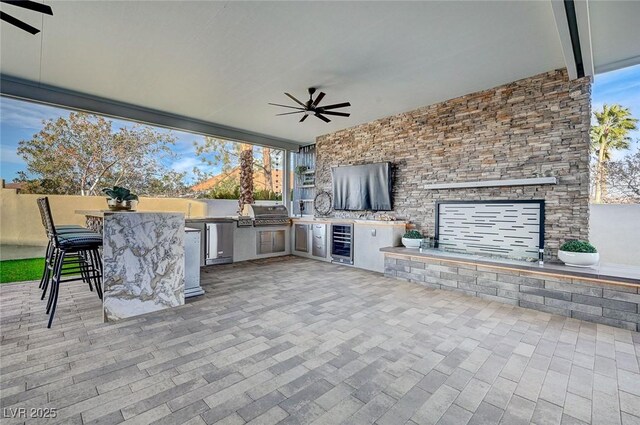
(508, 229)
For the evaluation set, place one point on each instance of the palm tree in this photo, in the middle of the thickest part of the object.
(614, 124)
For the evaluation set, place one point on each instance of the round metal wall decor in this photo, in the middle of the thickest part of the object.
(322, 203)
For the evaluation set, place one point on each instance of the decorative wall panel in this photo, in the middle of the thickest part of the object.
(491, 228)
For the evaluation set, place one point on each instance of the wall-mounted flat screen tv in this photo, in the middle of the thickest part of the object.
(362, 187)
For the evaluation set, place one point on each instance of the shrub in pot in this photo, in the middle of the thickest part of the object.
(121, 199)
(412, 239)
(578, 254)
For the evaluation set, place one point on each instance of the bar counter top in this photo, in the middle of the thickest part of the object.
(612, 273)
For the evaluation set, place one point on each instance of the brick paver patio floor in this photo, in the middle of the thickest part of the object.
(299, 341)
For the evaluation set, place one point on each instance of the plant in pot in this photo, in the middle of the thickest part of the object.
(412, 239)
(301, 169)
(578, 254)
(121, 199)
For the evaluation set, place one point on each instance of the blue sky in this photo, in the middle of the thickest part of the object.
(20, 120)
(623, 87)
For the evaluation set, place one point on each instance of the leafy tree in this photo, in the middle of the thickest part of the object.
(81, 154)
(624, 178)
(611, 132)
(170, 184)
(225, 155)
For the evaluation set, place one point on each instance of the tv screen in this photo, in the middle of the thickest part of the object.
(362, 187)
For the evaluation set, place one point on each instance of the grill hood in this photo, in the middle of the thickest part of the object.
(258, 212)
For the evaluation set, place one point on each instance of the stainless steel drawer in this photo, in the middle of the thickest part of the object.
(319, 240)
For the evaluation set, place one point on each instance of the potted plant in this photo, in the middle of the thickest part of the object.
(300, 169)
(578, 254)
(121, 199)
(412, 239)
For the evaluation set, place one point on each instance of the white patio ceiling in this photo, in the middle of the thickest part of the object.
(221, 62)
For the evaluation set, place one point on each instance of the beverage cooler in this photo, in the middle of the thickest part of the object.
(342, 243)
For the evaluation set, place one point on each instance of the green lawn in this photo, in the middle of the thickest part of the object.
(21, 270)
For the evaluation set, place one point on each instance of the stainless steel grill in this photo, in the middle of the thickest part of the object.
(267, 215)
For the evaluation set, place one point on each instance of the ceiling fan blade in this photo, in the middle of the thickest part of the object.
(340, 114)
(18, 23)
(286, 106)
(289, 113)
(303, 118)
(322, 117)
(31, 5)
(297, 101)
(337, 105)
(318, 99)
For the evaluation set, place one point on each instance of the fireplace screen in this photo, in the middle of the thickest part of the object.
(511, 229)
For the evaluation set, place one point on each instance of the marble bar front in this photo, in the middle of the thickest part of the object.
(143, 261)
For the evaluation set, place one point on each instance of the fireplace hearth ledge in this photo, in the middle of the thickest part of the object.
(607, 294)
(605, 273)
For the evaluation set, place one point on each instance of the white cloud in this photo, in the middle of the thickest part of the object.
(17, 113)
(184, 164)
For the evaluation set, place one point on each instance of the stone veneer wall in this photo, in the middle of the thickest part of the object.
(535, 127)
(608, 304)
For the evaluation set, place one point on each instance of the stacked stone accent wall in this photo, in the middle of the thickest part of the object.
(609, 304)
(535, 127)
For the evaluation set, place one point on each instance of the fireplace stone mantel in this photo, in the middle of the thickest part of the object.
(493, 183)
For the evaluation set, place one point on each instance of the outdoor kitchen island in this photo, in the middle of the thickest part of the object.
(143, 261)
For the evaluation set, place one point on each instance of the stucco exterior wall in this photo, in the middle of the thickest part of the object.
(615, 231)
(20, 222)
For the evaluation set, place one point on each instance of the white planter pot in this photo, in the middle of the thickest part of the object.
(579, 259)
(411, 243)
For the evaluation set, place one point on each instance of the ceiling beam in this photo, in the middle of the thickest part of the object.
(49, 95)
(584, 29)
(560, 15)
(574, 30)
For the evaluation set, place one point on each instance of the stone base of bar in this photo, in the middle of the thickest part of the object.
(592, 299)
(143, 257)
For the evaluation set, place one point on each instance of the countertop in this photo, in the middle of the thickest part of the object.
(218, 219)
(606, 272)
(213, 219)
(101, 213)
(227, 218)
(349, 221)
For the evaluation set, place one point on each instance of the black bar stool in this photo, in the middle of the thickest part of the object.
(81, 249)
(49, 255)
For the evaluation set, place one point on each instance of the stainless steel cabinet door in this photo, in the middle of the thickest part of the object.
(319, 244)
(219, 240)
(301, 237)
(265, 242)
(225, 244)
(278, 241)
(270, 241)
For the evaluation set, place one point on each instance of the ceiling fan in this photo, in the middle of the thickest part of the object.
(311, 107)
(26, 4)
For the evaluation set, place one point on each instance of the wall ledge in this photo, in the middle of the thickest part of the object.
(606, 274)
(493, 183)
